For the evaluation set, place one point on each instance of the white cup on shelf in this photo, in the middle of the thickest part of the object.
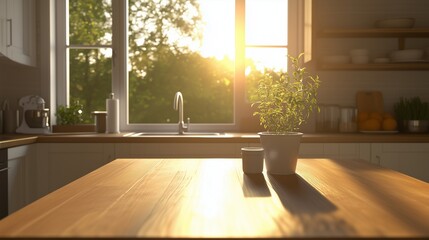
(359, 56)
(360, 59)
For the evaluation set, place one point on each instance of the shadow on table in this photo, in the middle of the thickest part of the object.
(254, 185)
(298, 196)
(312, 212)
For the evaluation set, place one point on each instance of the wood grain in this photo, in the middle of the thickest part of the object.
(213, 198)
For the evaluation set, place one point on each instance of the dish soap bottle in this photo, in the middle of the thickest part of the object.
(112, 121)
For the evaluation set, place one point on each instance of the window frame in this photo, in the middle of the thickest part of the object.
(119, 66)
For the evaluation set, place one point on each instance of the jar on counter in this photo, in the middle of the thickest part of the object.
(327, 119)
(348, 119)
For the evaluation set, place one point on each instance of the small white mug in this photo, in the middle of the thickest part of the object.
(252, 159)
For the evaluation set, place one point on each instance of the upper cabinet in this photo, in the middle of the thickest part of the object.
(18, 31)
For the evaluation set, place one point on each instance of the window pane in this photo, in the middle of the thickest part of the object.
(273, 58)
(90, 22)
(258, 60)
(181, 46)
(90, 78)
(266, 22)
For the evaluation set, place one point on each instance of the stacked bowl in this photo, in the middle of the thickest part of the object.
(359, 56)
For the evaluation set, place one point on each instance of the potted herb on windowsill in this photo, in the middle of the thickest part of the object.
(70, 119)
(412, 115)
(284, 101)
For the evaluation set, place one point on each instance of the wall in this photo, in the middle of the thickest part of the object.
(17, 81)
(339, 87)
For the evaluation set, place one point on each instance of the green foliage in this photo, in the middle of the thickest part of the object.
(284, 100)
(90, 69)
(70, 115)
(411, 109)
(206, 83)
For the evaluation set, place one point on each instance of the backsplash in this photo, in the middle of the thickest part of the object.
(17, 81)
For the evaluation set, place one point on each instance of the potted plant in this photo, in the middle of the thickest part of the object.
(70, 119)
(284, 101)
(412, 114)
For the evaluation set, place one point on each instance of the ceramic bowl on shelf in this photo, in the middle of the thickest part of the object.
(407, 55)
(359, 52)
(395, 23)
(360, 59)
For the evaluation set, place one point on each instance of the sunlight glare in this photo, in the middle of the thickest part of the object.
(266, 24)
(218, 35)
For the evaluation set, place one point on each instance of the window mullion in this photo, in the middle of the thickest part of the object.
(83, 46)
(239, 81)
(62, 86)
(120, 57)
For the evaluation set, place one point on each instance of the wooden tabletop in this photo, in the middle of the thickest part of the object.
(213, 198)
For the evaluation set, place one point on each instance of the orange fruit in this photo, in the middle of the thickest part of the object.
(371, 124)
(387, 115)
(389, 124)
(362, 116)
(376, 115)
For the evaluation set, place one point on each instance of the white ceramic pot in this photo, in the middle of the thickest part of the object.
(281, 151)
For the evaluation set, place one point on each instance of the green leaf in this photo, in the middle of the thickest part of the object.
(284, 100)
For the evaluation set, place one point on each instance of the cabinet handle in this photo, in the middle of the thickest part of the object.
(10, 32)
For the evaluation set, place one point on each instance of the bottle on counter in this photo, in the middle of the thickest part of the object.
(112, 121)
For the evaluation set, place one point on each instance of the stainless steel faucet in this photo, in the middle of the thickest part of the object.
(178, 106)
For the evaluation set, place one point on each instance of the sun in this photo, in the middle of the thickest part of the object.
(266, 31)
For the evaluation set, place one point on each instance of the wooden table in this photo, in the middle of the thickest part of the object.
(213, 198)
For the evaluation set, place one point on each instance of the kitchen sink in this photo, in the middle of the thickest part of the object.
(142, 134)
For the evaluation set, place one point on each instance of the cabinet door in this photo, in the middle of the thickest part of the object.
(409, 158)
(336, 150)
(3, 27)
(20, 31)
(62, 163)
(177, 150)
(16, 184)
(21, 176)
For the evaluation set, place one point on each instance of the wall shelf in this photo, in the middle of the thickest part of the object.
(376, 66)
(400, 33)
(375, 33)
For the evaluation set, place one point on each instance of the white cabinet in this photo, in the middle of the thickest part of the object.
(21, 176)
(18, 31)
(409, 158)
(3, 24)
(336, 150)
(307, 150)
(178, 150)
(62, 163)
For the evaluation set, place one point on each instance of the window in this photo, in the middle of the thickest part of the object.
(145, 51)
(89, 53)
(181, 46)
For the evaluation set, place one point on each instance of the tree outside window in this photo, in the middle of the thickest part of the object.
(166, 54)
